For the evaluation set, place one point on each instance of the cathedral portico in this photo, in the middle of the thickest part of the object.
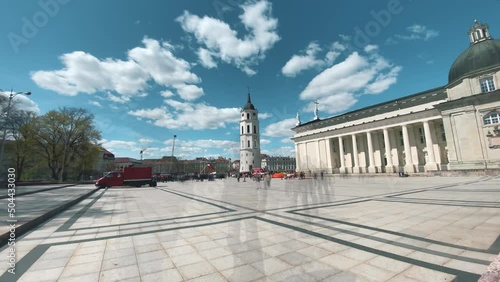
(453, 127)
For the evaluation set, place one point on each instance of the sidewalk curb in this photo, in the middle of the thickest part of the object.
(28, 226)
(41, 190)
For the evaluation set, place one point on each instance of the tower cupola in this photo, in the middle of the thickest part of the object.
(478, 32)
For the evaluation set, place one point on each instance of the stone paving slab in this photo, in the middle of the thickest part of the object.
(338, 229)
(31, 209)
(20, 190)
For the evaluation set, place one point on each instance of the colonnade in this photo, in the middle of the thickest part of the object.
(412, 147)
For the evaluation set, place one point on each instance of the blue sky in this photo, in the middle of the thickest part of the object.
(149, 70)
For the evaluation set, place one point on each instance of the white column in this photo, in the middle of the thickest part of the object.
(342, 157)
(356, 168)
(408, 158)
(297, 158)
(307, 159)
(328, 155)
(371, 165)
(431, 163)
(389, 168)
(318, 155)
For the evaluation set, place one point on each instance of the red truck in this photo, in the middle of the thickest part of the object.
(130, 176)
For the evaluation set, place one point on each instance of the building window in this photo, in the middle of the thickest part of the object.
(421, 135)
(487, 84)
(248, 143)
(491, 118)
(443, 135)
(242, 130)
(248, 129)
(255, 129)
(248, 116)
(242, 115)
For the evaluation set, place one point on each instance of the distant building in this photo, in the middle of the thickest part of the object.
(105, 162)
(278, 163)
(249, 138)
(120, 163)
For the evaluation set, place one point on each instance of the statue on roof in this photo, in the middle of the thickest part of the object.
(316, 117)
(298, 120)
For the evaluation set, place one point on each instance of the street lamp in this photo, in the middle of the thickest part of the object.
(7, 112)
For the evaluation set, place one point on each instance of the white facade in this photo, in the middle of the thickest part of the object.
(453, 127)
(249, 138)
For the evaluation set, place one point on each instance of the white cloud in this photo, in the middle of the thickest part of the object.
(186, 115)
(264, 115)
(286, 140)
(333, 104)
(337, 87)
(309, 60)
(265, 141)
(95, 103)
(84, 73)
(118, 99)
(167, 93)
(300, 63)
(370, 48)
(415, 32)
(22, 102)
(281, 128)
(201, 148)
(114, 145)
(220, 41)
(189, 92)
(145, 140)
(206, 58)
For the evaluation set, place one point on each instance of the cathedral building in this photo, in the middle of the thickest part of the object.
(452, 127)
(249, 138)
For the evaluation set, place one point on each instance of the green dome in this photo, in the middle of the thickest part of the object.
(478, 57)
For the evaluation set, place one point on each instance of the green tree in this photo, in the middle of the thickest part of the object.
(63, 138)
(19, 151)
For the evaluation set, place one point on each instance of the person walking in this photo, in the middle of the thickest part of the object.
(257, 179)
(267, 181)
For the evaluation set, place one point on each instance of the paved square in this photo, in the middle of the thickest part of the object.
(337, 229)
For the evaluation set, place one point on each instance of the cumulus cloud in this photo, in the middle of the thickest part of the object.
(155, 61)
(337, 87)
(309, 59)
(300, 63)
(280, 128)
(220, 41)
(187, 115)
(21, 102)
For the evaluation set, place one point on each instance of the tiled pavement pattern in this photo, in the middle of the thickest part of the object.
(356, 229)
(29, 207)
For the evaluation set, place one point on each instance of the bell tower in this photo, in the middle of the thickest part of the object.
(249, 137)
